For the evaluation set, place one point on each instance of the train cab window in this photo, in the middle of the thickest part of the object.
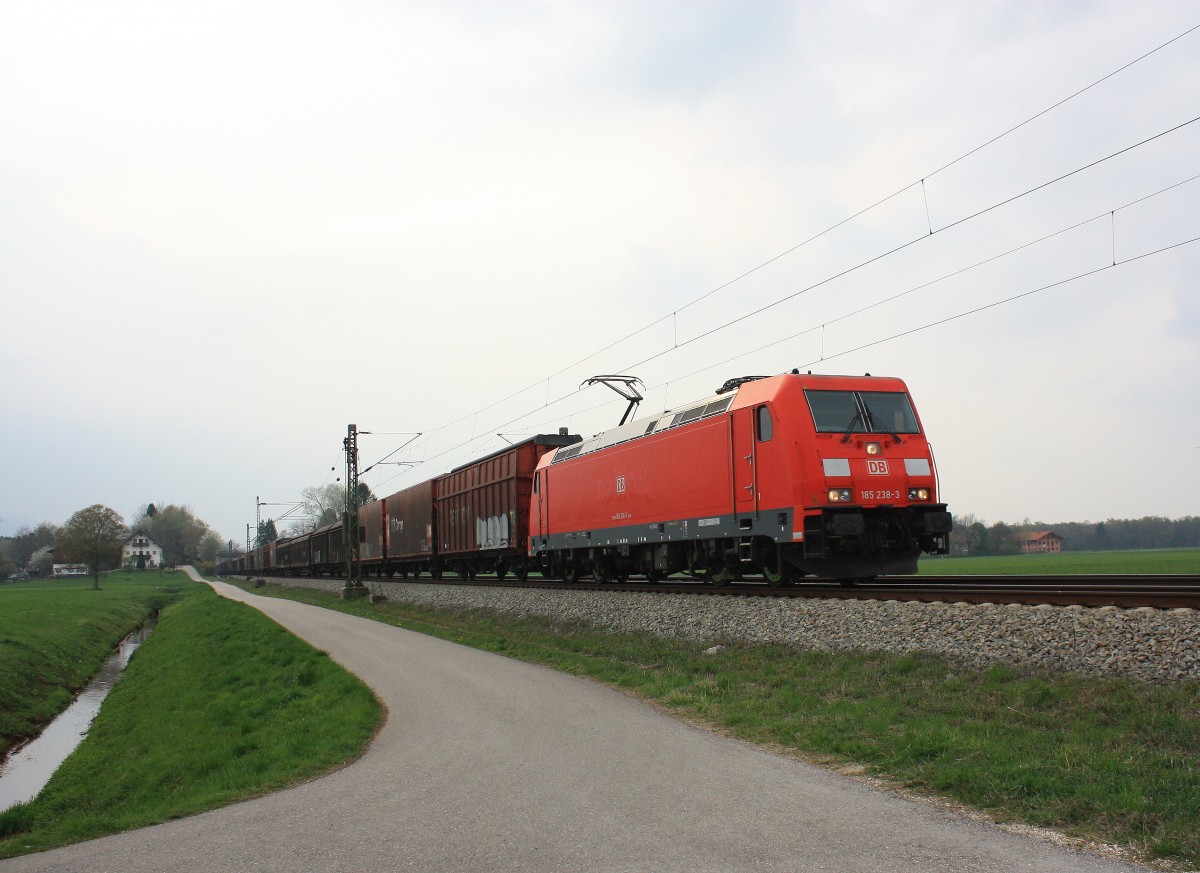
(537, 482)
(834, 411)
(862, 412)
(764, 424)
(889, 412)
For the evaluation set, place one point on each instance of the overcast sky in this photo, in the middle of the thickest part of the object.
(229, 229)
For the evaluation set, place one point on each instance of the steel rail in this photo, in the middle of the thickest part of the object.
(1122, 591)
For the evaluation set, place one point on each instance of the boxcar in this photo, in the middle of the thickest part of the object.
(483, 508)
(327, 550)
(410, 531)
(372, 537)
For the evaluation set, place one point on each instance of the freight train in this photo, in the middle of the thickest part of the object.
(776, 478)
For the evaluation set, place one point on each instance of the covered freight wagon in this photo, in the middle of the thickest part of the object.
(328, 550)
(409, 529)
(483, 508)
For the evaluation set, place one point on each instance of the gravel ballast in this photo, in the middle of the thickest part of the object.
(1147, 644)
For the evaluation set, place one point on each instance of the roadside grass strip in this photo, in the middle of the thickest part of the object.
(55, 634)
(218, 705)
(1132, 562)
(1105, 760)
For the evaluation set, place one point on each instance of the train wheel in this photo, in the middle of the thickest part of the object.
(573, 572)
(780, 578)
(723, 576)
(523, 573)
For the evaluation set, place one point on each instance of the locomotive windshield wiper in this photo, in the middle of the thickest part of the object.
(850, 426)
(879, 428)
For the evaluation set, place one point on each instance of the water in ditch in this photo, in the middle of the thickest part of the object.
(28, 768)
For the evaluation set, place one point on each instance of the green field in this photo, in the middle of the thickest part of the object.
(1167, 561)
(54, 635)
(218, 705)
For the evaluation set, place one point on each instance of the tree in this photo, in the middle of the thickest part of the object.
(266, 532)
(365, 495)
(1002, 540)
(323, 504)
(94, 535)
(210, 546)
(178, 531)
(28, 541)
(41, 562)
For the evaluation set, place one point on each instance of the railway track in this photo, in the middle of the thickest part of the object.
(1126, 592)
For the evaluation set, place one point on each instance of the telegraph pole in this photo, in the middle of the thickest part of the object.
(354, 586)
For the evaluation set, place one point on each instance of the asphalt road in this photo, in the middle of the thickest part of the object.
(490, 764)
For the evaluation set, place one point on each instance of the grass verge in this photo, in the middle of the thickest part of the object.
(1113, 761)
(218, 705)
(1167, 561)
(55, 634)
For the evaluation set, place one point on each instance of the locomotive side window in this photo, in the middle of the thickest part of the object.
(537, 482)
(718, 406)
(764, 424)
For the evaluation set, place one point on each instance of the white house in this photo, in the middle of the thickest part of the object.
(141, 551)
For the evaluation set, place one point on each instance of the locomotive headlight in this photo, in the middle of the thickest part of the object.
(840, 495)
(918, 493)
(873, 448)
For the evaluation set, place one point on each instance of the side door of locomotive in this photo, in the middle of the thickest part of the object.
(541, 509)
(745, 466)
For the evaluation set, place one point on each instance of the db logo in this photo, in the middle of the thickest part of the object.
(877, 467)
(620, 484)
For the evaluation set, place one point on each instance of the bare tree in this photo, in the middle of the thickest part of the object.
(323, 504)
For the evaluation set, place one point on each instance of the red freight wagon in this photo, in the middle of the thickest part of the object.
(293, 555)
(410, 525)
(483, 508)
(325, 549)
(283, 555)
(372, 537)
(781, 476)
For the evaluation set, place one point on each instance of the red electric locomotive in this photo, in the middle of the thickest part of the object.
(783, 476)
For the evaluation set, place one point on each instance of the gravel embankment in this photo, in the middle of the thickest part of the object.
(1139, 643)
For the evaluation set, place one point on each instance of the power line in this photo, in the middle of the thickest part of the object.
(835, 226)
(1054, 106)
(462, 447)
(864, 211)
(906, 245)
(996, 303)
